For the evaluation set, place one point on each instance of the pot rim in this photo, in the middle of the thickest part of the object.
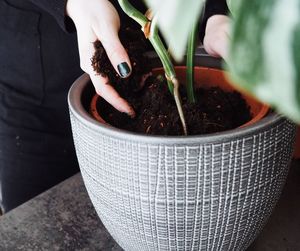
(77, 109)
(263, 111)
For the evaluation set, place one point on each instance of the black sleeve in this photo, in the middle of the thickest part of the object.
(212, 7)
(57, 9)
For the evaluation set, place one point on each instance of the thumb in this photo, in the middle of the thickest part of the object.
(117, 55)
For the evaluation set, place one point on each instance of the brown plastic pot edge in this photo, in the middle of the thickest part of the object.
(206, 77)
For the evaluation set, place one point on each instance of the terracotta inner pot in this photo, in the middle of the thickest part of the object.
(204, 77)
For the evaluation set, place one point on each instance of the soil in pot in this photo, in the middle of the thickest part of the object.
(156, 113)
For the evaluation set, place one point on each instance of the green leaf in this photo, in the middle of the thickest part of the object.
(264, 52)
(233, 6)
(175, 20)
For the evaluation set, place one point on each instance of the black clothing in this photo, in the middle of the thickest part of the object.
(38, 63)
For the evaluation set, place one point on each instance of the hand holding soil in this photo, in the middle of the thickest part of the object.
(98, 20)
(156, 114)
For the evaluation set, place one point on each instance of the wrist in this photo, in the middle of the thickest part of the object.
(71, 6)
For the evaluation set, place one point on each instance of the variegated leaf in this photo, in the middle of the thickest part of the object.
(233, 6)
(176, 19)
(264, 52)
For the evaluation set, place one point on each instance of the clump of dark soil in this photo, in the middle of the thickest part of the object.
(156, 112)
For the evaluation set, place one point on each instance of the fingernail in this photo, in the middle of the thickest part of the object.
(131, 113)
(123, 69)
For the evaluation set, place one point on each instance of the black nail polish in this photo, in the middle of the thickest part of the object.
(123, 69)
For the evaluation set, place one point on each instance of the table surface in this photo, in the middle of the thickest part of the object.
(63, 218)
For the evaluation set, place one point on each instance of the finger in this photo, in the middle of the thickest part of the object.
(106, 91)
(100, 82)
(217, 45)
(115, 52)
(86, 38)
(222, 49)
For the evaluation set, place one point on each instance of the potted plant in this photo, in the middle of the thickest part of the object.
(201, 192)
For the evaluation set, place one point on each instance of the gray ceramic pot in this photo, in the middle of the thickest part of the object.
(211, 192)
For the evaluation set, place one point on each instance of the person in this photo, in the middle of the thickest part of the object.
(215, 28)
(39, 45)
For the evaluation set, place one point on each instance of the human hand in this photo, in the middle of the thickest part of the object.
(216, 37)
(98, 20)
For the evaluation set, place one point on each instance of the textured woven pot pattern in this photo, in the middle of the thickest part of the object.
(209, 193)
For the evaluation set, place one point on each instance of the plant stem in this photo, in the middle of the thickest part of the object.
(133, 13)
(162, 53)
(190, 64)
(169, 70)
(179, 106)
